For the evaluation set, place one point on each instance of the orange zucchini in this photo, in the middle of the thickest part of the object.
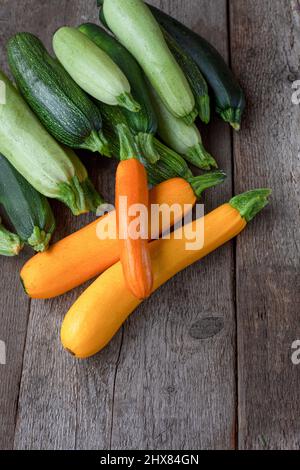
(82, 255)
(101, 310)
(132, 185)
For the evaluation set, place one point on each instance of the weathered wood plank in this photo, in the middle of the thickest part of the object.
(174, 389)
(63, 404)
(14, 310)
(14, 306)
(265, 54)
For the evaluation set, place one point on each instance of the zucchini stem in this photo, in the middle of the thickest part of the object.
(206, 181)
(126, 100)
(199, 157)
(97, 142)
(128, 145)
(249, 204)
(10, 243)
(80, 197)
(190, 118)
(233, 116)
(146, 144)
(39, 239)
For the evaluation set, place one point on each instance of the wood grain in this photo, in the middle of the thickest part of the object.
(14, 306)
(14, 311)
(206, 362)
(265, 53)
(63, 404)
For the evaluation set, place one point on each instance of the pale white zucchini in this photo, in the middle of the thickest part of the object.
(136, 28)
(92, 69)
(182, 138)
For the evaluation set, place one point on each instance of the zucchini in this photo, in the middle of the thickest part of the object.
(92, 69)
(52, 170)
(184, 139)
(64, 109)
(195, 78)
(158, 172)
(116, 125)
(10, 243)
(133, 24)
(229, 96)
(169, 165)
(28, 210)
(114, 115)
(144, 122)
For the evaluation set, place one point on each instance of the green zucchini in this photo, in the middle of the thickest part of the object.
(64, 109)
(144, 122)
(133, 24)
(195, 78)
(52, 170)
(92, 69)
(114, 115)
(156, 173)
(28, 211)
(184, 139)
(10, 243)
(229, 96)
(169, 165)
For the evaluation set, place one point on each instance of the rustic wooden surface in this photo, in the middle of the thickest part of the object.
(206, 362)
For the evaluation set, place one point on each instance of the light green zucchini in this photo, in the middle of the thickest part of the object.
(136, 28)
(52, 170)
(92, 69)
(143, 123)
(182, 138)
(229, 97)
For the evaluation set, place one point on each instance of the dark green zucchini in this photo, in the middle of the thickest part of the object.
(113, 116)
(170, 165)
(144, 122)
(64, 109)
(229, 96)
(195, 78)
(10, 243)
(28, 211)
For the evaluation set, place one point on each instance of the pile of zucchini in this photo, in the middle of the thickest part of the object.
(147, 79)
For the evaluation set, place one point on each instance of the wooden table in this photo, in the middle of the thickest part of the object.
(206, 362)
